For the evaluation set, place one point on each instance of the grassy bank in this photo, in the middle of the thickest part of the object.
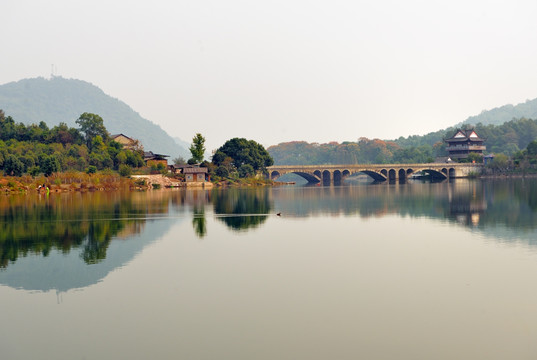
(68, 181)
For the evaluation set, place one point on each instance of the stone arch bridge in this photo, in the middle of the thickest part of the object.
(379, 172)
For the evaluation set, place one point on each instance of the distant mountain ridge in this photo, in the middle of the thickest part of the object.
(58, 100)
(502, 114)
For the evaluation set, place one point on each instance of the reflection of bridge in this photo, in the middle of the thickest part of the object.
(392, 172)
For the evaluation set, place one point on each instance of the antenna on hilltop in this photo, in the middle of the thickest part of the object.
(53, 69)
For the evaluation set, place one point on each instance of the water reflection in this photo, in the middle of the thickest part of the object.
(40, 225)
(88, 223)
(478, 203)
(249, 206)
(199, 222)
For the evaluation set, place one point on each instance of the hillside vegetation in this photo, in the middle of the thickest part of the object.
(58, 100)
(508, 139)
(500, 115)
(38, 149)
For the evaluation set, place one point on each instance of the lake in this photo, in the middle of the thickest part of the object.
(412, 271)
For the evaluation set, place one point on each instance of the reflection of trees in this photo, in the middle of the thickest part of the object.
(199, 222)
(32, 225)
(483, 203)
(247, 204)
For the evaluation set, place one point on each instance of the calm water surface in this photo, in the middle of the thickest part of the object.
(415, 271)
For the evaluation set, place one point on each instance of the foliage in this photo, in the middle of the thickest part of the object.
(13, 166)
(41, 149)
(49, 165)
(507, 139)
(125, 170)
(364, 151)
(499, 163)
(197, 149)
(500, 115)
(246, 170)
(92, 125)
(473, 158)
(239, 151)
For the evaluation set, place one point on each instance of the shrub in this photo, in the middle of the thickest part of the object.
(246, 170)
(222, 171)
(125, 170)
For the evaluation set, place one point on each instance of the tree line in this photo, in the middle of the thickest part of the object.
(363, 151)
(508, 140)
(36, 149)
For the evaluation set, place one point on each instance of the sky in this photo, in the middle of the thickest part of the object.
(277, 71)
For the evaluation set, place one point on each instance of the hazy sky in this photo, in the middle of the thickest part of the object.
(276, 71)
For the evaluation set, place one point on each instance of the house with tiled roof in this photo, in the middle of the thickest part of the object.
(464, 143)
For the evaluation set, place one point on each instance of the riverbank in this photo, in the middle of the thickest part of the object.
(82, 182)
(67, 182)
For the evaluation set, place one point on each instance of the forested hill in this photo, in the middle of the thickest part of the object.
(500, 115)
(508, 138)
(504, 116)
(58, 100)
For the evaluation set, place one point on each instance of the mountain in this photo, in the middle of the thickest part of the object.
(182, 143)
(500, 115)
(58, 100)
(508, 119)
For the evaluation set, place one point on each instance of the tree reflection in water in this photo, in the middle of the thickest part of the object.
(199, 222)
(248, 205)
(30, 224)
(38, 225)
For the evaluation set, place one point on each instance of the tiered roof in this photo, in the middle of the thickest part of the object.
(464, 136)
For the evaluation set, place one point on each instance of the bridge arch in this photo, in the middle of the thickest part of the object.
(327, 176)
(379, 172)
(373, 174)
(402, 174)
(435, 173)
(338, 177)
(274, 175)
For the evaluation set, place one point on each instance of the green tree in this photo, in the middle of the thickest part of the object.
(197, 149)
(49, 165)
(13, 166)
(499, 162)
(125, 170)
(532, 148)
(92, 126)
(474, 157)
(243, 151)
(246, 170)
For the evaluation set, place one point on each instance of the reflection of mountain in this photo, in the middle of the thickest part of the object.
(63, 272)
(71, 241)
